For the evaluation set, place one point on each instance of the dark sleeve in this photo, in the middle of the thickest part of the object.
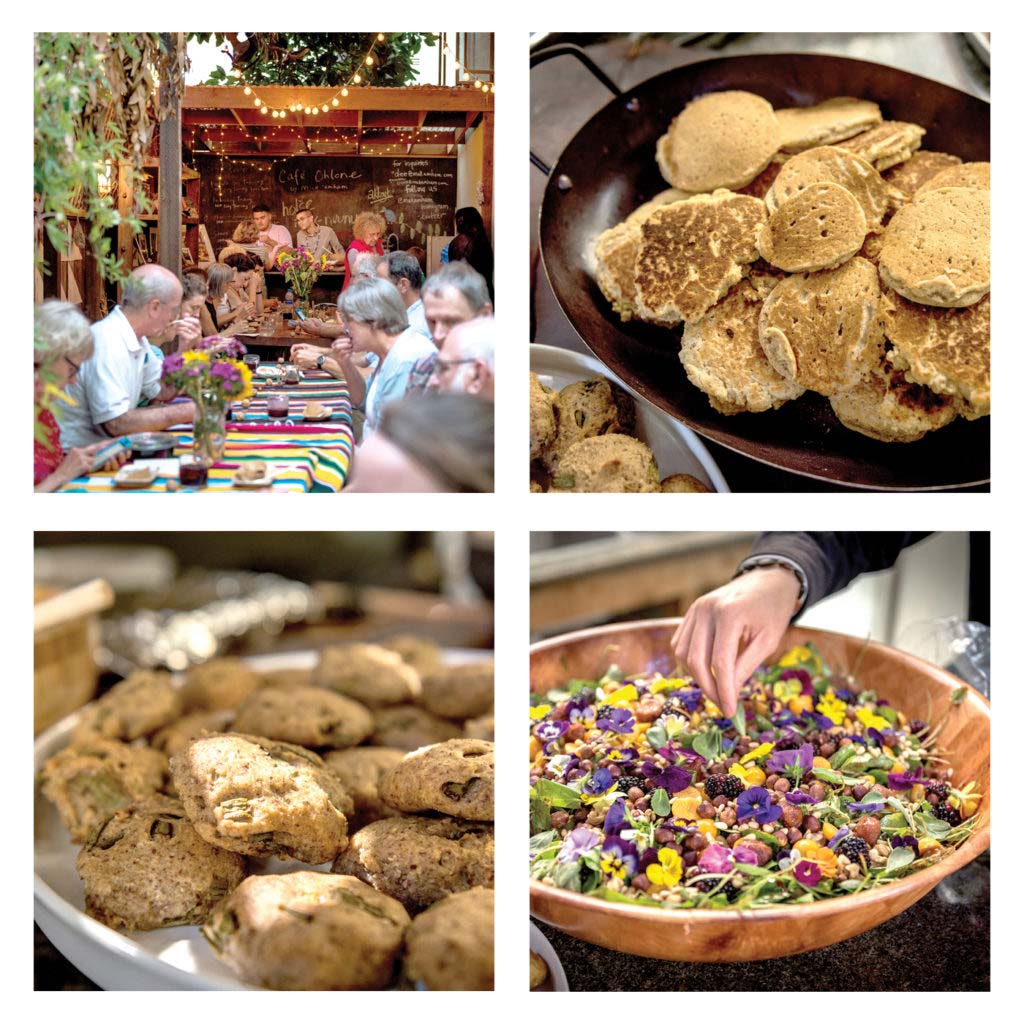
(831, 561)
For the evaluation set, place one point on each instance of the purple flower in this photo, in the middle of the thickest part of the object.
(744, 854)
(867, 805)
(618, 857)
(672, 779)
(847, 696)
(615, 820)
(821, 721)
(583, 699)
(585, 715)
(578, 841)
(223, 370)
(620, 720)
(785, 717)
(794, 763)
(904, 780)
(549, 732)
(797, 796)
(623, 754)
(807, 873)
(757, 804)
(648, 857)
(723, 723)
(690, 698)
(907, 840)
(172, 364)
(838, 838)
(716, 860)
(805, 679)
(600, 782)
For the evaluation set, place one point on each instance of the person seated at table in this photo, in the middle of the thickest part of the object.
(403, 271)
(452, 295)
(420, 256)
(465, 364)
(63, 342)
(272, 236)
(472, 245)
(123, 369)
(223, 300)
(432, 442)
(367, 231)
(317, 238)
(247, 285)
(193, 321)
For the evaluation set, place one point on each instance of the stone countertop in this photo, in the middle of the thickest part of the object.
(941, 943)
(564, 96)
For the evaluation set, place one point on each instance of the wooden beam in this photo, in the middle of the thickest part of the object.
(125, 202)
(169, 207)
(219, 97)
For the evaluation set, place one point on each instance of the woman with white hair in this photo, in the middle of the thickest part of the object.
(373, 315)
(367, 231)
(63, 341)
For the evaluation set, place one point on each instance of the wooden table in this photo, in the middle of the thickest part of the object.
(271, 347)
(308, 456)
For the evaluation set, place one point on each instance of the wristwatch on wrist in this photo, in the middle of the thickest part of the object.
(320, 362)
(761, 561)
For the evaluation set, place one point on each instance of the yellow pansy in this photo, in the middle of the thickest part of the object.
(539, 711)
(786, 688)
(798, 705)
(760, 751)
(668, 870)
(870, 720)
(801, 656)
(706, 827)
(750, 774)
(712, 709)
(623, 695)
(831, 707)
(666, 684)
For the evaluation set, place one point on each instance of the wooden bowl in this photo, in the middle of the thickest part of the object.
(919, 689)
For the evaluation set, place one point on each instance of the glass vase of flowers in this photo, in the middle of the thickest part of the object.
(213, 376)
(301, 269)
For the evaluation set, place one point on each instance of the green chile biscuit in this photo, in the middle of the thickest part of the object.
(450, 946)
(309, 716)
(421, 652)
(421, 860)
(262, 797)
(135, 707)
(172, 738)
(308, 930)
(90, 780)
(459, 691)
(409, 727)
(360, 770)
(218, 684)
(146, 867)
(455, 777)
(370, 674)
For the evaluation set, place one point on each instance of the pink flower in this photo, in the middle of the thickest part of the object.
(716, 860)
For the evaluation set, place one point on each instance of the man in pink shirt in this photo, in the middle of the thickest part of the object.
(274, 236)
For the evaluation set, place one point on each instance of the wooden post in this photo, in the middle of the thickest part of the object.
(169, 207)
(125, 203)
(487, 172)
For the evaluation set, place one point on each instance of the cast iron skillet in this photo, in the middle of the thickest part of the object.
(609, 169)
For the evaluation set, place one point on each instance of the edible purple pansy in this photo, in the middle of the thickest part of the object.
(756, 803)
(791, 763)
(618, 857)
(807, 873)
(904, 780)
(618, 720)
(600, 782)
(577, 842)
(672, 779)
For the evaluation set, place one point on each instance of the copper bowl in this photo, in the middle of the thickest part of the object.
(720, 936)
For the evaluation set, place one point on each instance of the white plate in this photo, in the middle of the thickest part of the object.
(539, 944)
(168, 958)
(133, 475)
(269, 475)
(677, 449)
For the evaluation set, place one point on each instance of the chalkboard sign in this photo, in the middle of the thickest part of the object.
(416, 195)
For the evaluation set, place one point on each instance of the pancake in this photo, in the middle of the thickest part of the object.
(723, 357)
(615, 254)
(887, 144)
(669, 195)
(693, 252)
(831, 121)
(721, 140)
(819, 228)
(821, 331)
(762, 184)
(887, 407)
(947, 350)
(936, 248)
(976, 175)
(907, 178)
(828, 163)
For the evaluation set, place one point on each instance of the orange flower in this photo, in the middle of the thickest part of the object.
(817, 854)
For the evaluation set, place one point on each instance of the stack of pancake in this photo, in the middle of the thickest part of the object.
(817, 248)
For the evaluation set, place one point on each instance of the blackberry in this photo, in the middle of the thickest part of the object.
(627, 782)
(939, 789)
(947, 812)
(723, 785)
(855, 848)
(705, 884)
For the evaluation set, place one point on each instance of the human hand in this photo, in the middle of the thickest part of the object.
(342, 347)
(728, 632)
(312, 325)
(117, 459)
(305, 356)
(189, 330)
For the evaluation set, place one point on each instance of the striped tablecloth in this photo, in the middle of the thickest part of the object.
(307, 456)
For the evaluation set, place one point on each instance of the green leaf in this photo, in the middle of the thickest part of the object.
(827, 775)
(959, 695)
(842, 755)
(740, 720)
(766, 837)
(899, 859)
(555, 794)
(708, 744)
(657, 736)
(850, 885)
(935, 827)
(542, 840)
(660, 803)
(540, 814)
(888, 713)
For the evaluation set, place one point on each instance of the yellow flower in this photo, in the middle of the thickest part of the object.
(712, 709)
(808, 849)
(706, 827)
(870, 720)
(798, 705)
(786, 688)
(668, 870)
(751, 775)
(801, 656)
(927, 846)
(760, 751)
(539, 711)
(612, 865)
(665, 684)
(192, 356)
(831, 707)
(623, 695)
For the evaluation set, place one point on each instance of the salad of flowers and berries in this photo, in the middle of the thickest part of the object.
(641, 791)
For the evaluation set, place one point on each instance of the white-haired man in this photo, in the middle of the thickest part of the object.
(124, 368)
(465, 364)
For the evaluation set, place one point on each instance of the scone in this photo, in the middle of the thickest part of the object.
(421, 652)
(262, 798)
(310, 716)
(172, 738)
(135, 707)
(421, 860)
(459, 691)
(91, 780)
(218, 684)
(308, 930)
(481, 728)
(360, 771)
(370, 674)
(409, 727)
(146, 867)
(450, 946)
(455, 777)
